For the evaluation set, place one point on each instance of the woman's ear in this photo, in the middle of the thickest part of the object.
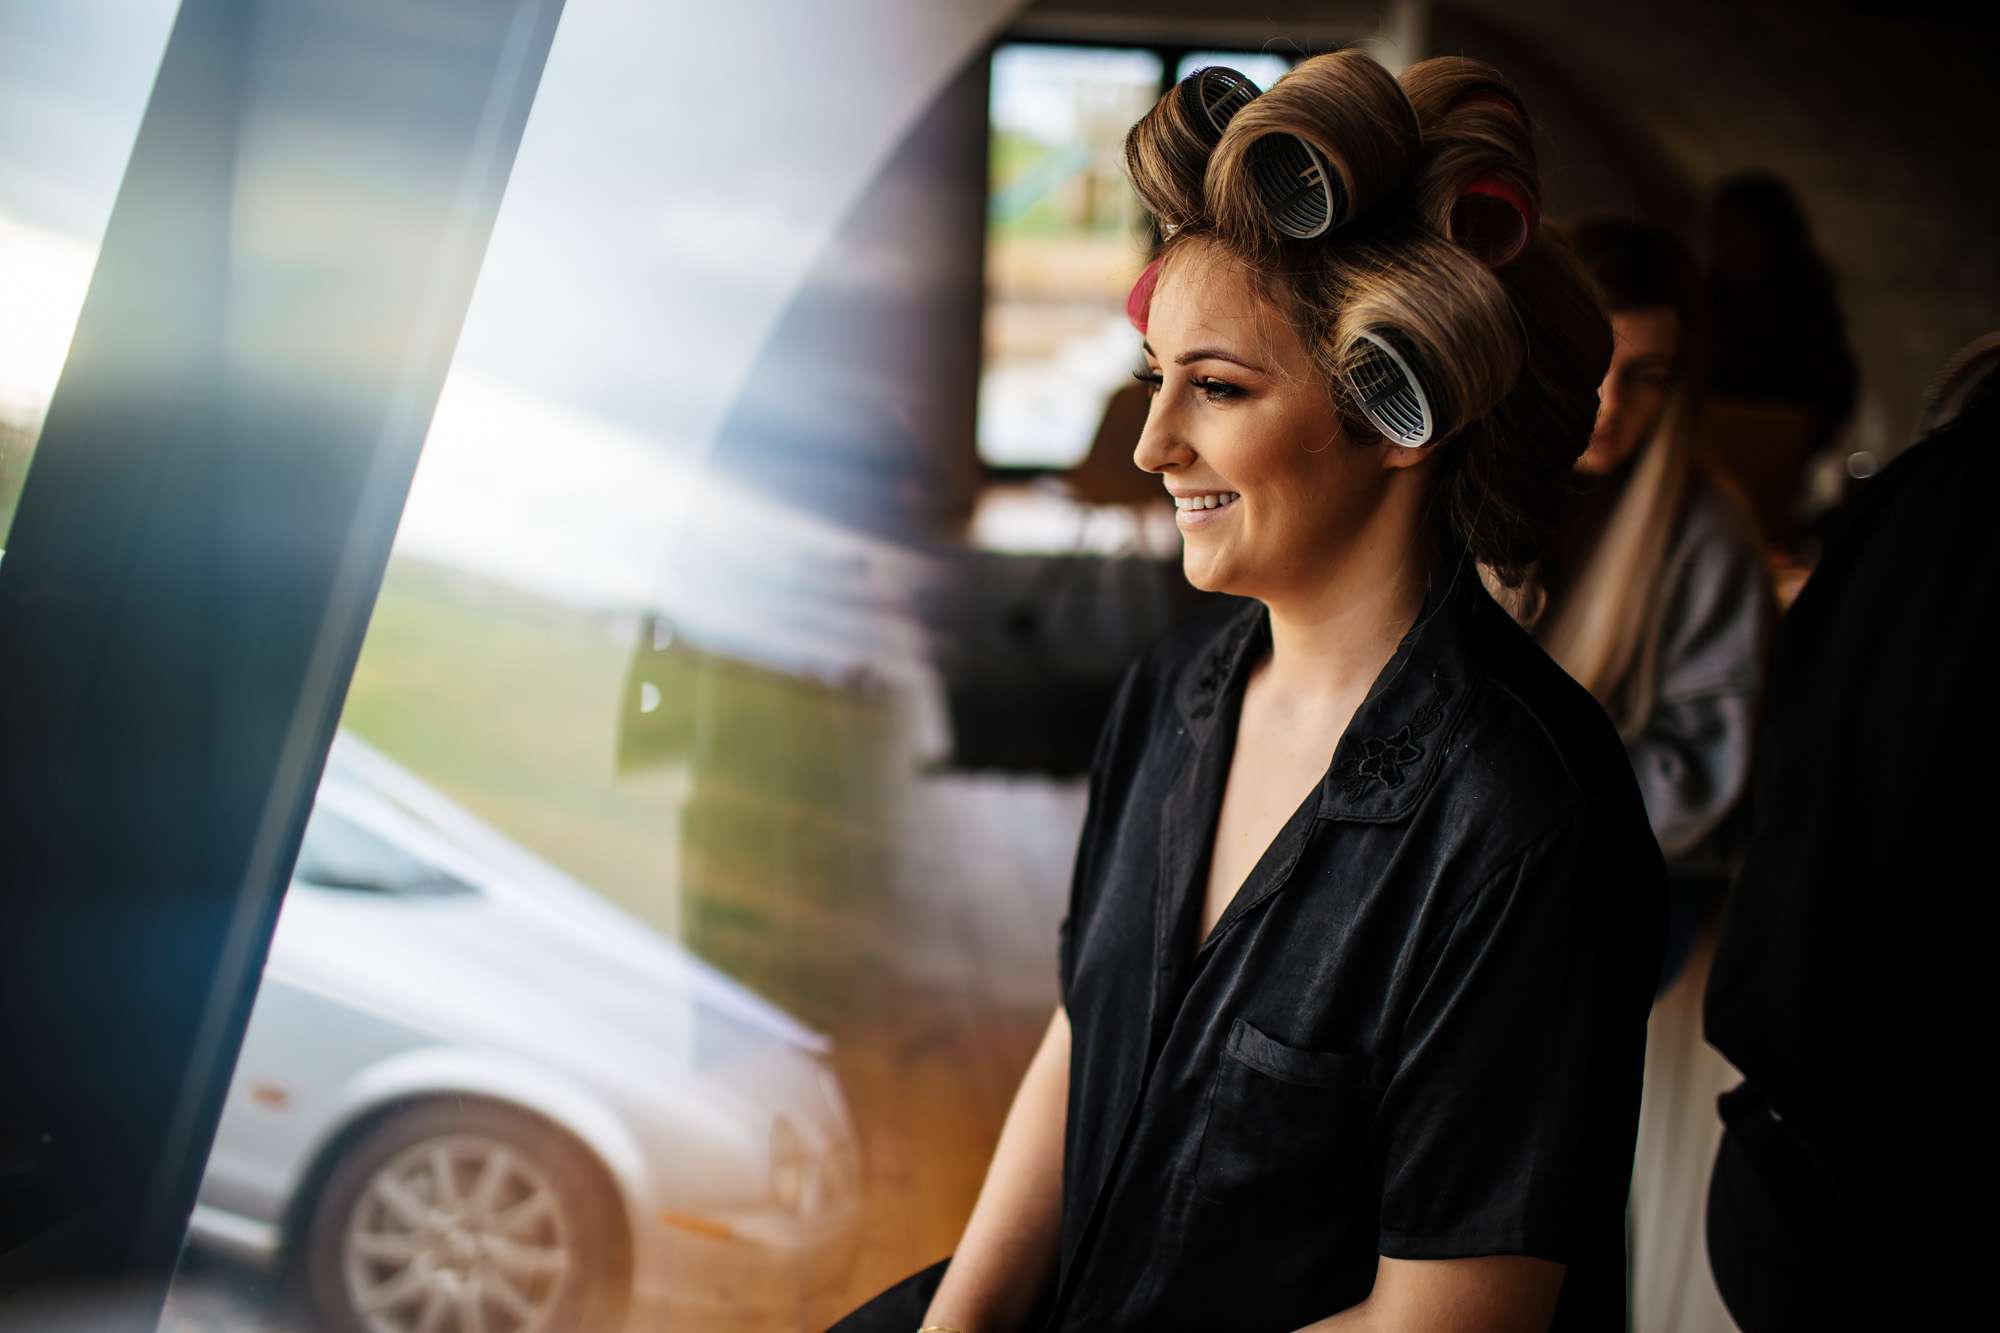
(1394, 455)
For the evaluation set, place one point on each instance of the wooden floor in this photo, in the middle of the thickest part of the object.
(950, 1002)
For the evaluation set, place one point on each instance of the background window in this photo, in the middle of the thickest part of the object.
(1064, 240)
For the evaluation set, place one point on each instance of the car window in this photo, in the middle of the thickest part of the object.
(339, 853)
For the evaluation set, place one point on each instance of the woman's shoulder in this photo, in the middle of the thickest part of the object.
(1715, 520)
(1719, 604)
(1534, 768)
(1540, 744)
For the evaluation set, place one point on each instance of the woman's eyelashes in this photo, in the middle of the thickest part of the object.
(1212, 389)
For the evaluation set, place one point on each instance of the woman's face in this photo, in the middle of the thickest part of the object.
(1645, 358)
(1239, 413)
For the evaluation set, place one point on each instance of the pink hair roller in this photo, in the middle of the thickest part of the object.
(1494, 219)
(1140, 301)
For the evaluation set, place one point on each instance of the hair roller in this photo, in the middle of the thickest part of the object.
(1389, 390)
(1495, 219)
(1393, 349)
(1444, 83)
(1329, 141)
(1167, 151)
(1210, 97)
(1139, 301)
(1478, 186)
(1302, 196)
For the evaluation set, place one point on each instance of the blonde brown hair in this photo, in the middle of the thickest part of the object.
(1605, 627)
(1513, 354)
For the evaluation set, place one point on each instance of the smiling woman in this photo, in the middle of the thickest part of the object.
(1351, 1030)
(1245, 414)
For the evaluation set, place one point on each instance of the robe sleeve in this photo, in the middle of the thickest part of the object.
(1507, 1123)
(1692, 757)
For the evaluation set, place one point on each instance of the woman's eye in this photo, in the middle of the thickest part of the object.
(1213, 390)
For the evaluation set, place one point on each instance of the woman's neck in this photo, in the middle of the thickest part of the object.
(1586, 514)
(1329, 642)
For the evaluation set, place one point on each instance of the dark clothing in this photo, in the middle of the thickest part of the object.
(1781, 336)
(1416, 1031)
(1844, 984)
(1772, 1272)
(900, 1308)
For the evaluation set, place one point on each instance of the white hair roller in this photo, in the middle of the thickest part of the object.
(1385, 383)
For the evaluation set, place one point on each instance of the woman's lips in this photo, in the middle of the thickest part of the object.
(1190, 519)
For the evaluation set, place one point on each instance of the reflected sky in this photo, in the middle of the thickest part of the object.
(681, 169)
(74, 77)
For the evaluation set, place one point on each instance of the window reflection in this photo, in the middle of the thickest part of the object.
(649, 705)
(689, 857)
(74, 75)
(341, 852)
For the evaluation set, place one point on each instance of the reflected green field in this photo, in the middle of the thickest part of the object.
(760, 843)
(17, 447)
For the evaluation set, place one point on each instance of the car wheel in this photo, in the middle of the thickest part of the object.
(464, 1217)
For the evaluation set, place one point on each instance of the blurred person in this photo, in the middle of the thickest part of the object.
(1658, 601)
(1778, 330)
(1653, 589)
(1777, 337)
(1844, 987)
(1366, 911)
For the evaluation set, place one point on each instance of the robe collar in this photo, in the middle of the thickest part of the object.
(1391, 752)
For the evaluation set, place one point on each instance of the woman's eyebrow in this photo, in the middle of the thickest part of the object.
(1217, 354)
(1205, 353)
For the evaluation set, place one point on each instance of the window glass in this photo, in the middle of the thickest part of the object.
(74, 76)
(734, 943)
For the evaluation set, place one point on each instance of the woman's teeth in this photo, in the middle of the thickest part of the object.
(1215, 501)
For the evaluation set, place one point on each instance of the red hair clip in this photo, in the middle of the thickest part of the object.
(1140, 301)
(1494, 219)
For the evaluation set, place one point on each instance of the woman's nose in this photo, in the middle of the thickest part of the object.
(1159, 447)
(1607, 402)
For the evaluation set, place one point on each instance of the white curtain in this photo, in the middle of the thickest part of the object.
(1672, 1288)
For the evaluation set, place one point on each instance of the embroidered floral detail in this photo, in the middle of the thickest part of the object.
(1383, 759)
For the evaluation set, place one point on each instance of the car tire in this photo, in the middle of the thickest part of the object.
(446, 1208)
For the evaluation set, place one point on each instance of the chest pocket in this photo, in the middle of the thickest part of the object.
(1288, 1131)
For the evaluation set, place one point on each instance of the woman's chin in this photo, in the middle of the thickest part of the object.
(1600, 459)
(1202, 572)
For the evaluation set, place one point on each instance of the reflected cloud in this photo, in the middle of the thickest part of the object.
(558, 502)
(43, 277)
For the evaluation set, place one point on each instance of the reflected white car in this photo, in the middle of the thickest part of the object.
(476, 1095)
